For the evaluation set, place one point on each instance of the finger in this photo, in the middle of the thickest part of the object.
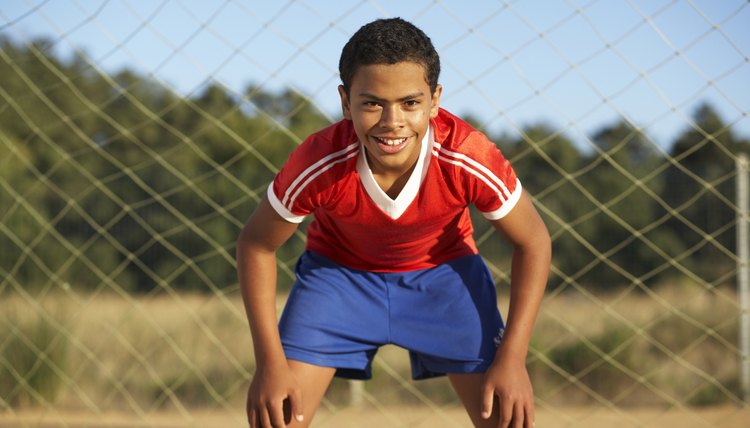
(530, 415)
(506, 413)
(276, 414)
(250, 409)
(295, 399)
(252, 418)
(488, 397)
(519, 415)
(264, 418)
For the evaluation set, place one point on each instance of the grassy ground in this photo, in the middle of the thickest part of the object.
(396, 416)
(186, 357)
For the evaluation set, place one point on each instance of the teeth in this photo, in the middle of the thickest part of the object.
(391, 142)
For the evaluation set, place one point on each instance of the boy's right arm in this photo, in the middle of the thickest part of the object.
(272, 382)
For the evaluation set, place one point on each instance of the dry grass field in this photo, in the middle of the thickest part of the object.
(172, 360)
(395, 416)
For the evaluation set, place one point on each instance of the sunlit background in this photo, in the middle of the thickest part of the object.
(137, 136)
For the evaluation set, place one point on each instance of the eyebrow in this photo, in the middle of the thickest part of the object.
(406, 98)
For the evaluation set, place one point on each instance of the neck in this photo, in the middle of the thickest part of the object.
(393, 183)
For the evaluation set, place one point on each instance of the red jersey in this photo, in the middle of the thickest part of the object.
(359, 226)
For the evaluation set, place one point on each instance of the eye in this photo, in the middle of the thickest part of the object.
(411, 103)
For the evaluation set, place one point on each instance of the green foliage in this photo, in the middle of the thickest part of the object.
(602, 363)
(33, 360)
(702, 188)
(116, 178)
(681, 354)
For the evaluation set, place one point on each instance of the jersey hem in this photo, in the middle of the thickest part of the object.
(281, 209)
(507, 206)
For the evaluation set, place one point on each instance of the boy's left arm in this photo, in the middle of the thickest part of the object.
(508, 379)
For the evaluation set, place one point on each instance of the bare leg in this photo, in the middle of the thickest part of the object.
(468, 387)
(314, 381)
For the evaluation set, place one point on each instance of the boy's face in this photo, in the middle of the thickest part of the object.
(390, 107)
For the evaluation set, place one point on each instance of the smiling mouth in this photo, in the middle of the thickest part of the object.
(391, 145)
(391, 141)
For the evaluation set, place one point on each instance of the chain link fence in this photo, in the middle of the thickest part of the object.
(136, 137)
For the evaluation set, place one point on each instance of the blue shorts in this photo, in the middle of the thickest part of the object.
(446, 317)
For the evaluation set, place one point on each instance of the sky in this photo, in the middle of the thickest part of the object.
(577, 65)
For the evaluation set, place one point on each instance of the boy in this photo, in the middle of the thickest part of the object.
(390, 256)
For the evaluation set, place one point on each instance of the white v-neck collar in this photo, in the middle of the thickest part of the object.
(394, 208)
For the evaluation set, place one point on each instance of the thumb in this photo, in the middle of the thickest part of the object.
(488, 397)
(295, 401)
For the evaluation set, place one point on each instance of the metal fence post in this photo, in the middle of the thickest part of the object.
(743, 273)
(356, 393)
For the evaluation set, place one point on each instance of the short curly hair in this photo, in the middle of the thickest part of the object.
(389, 41)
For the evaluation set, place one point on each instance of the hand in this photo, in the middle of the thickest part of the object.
(508, 380)
(273, 397)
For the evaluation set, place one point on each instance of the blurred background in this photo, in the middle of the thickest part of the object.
(137, 136)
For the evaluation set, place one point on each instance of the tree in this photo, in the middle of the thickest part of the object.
(545, 160)
(701, 190)
(619, 177)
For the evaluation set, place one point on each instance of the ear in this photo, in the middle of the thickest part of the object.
(435, 107)
(345, 103)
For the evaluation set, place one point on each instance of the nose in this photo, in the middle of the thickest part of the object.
(391, 117)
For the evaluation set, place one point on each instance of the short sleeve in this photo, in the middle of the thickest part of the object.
(495, 188)
(282, 210)
(306, 179)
